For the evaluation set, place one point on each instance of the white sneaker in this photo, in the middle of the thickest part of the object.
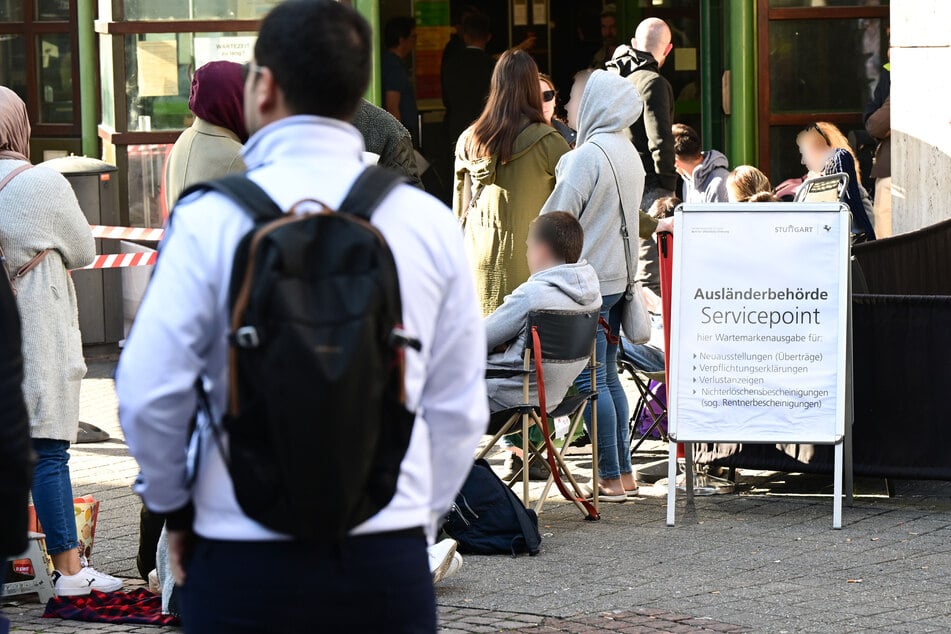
(441, 557)
(84, 582)
(454, 566)
(154, 586)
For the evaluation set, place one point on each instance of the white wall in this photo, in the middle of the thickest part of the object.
(921, 113)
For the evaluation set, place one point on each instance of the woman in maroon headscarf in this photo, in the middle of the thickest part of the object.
(211, 147)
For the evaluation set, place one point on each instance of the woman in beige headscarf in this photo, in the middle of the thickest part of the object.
(43, 234)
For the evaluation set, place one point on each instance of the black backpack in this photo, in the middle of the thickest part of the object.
(487, 518)
(316, 420)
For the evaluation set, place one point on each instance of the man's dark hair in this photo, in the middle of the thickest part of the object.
(460, 12)
(400, 27)
(562, 233)
(686, 142)
(477, 27)
(319, 54)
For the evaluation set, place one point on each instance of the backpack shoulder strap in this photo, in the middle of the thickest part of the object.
(529, 532)
(243, 192)
(369, 190)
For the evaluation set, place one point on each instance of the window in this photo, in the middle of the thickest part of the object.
(159, 69)
(818, 61)
(148, 53)
(13, 64)
(38, 61)
(838, 76)
(197, 9)
(54, 73)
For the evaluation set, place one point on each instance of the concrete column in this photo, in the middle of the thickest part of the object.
(921, 113)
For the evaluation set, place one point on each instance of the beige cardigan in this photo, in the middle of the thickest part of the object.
(38, 210)
(203, 152)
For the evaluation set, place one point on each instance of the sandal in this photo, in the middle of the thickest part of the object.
(604, 497)
(633, 493)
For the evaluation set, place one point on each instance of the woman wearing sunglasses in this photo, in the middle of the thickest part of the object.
(549, 99)
(505, 170)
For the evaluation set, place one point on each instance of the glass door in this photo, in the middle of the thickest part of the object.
(818, 61)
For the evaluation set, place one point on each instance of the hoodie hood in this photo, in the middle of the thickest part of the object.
(712, 161)
(483, 170)
(578, 281)
(609, 104)
(626, 60)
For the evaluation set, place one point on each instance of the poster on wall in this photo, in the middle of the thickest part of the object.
(539, 12)
(238, 49)
(432, 34)
(157, 66)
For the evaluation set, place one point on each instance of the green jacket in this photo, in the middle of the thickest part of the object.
(507, 198)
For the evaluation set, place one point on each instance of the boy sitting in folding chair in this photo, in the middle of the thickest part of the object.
(558, 282)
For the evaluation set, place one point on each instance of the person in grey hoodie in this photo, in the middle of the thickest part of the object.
(587, 187)
(704, 173)
(558, 281)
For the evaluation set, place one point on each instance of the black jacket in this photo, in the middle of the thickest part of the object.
(652, 133)
(466, 77)
(16, 454)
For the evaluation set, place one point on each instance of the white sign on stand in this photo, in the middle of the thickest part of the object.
(760, 328)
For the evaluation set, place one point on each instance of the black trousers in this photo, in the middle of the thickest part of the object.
(375, 583)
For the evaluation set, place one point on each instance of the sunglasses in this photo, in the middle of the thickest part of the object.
(821, 133)
(548, 95)
(248, 69)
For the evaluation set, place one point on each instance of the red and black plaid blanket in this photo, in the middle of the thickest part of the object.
(137, 606)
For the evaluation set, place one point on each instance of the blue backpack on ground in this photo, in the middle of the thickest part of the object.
(488, 519)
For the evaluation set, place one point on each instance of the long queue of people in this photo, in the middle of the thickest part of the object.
(542, 204)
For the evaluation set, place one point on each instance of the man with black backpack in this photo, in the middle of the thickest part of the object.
(322, 321)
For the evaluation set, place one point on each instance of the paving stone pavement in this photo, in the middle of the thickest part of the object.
(765, 560)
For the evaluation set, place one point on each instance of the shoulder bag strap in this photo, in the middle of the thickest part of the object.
(625, 234)
(36, 259)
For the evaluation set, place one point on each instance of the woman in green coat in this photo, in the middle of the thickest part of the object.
(505, 171)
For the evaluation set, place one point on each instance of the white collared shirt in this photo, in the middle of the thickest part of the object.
(181, 332)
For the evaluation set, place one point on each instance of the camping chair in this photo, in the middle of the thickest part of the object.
(824, 189)
(552, 337)
(829, 189)
(648, 400)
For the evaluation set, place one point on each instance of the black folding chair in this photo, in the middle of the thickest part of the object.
(552, 337)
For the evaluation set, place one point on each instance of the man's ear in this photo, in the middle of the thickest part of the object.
(266, 94)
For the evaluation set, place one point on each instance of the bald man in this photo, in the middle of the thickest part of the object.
(640, 64)
(652, 135)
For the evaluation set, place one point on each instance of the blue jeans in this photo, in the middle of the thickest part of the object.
(53, 495)
(369, 583)
(614, 444)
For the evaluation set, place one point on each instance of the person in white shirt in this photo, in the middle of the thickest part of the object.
(237, 575)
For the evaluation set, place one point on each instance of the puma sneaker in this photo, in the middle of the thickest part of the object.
(84, 582)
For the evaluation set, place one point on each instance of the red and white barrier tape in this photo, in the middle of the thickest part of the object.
(122, 260)
(126, 233)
